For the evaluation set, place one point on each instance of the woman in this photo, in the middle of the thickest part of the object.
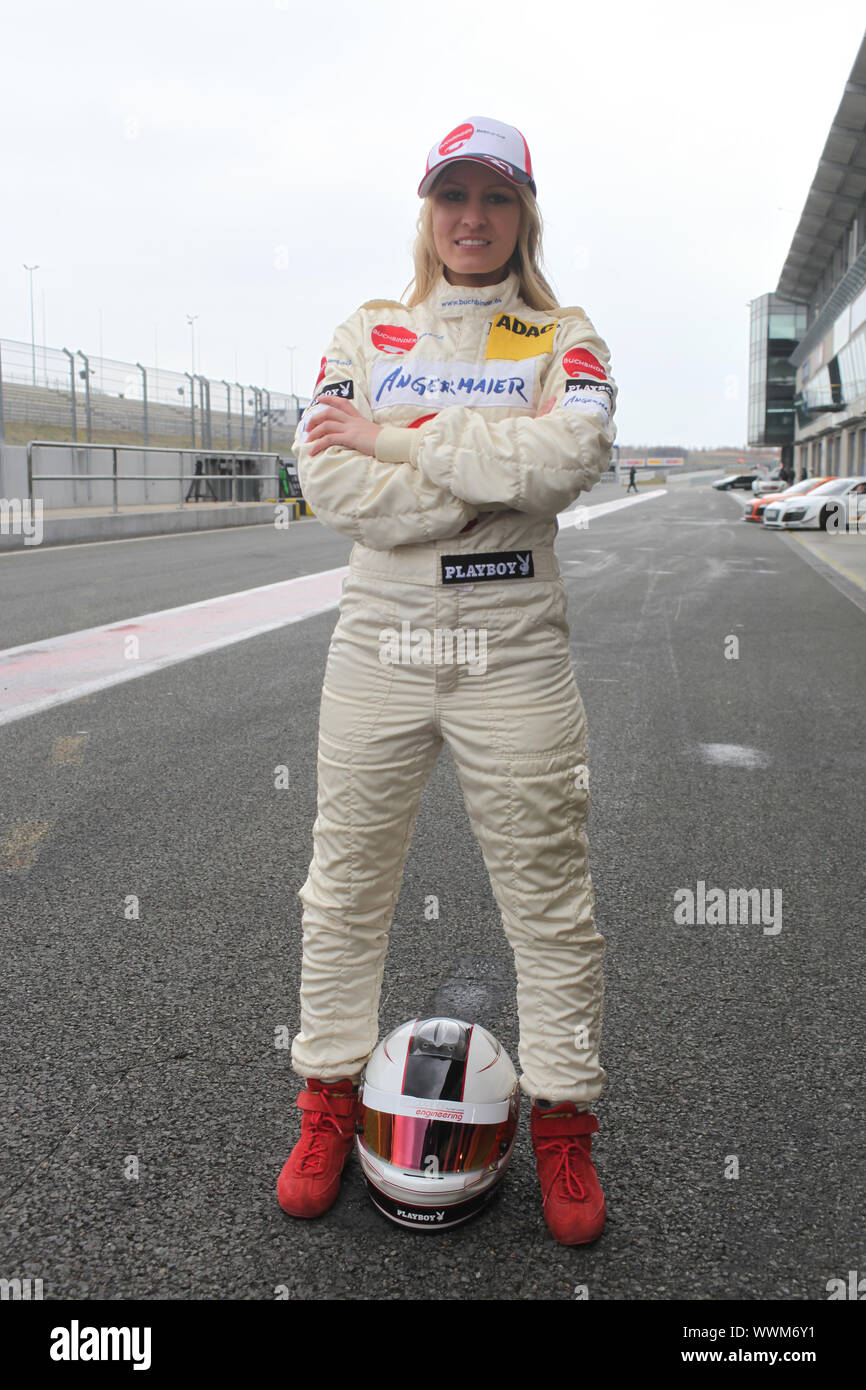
(445, 435)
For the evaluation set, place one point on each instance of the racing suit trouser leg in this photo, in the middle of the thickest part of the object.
(377, 747)
(518, 735)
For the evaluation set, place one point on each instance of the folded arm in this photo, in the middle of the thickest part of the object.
(380, 502)
(535, 465)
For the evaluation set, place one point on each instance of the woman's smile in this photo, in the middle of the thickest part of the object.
(476, 220)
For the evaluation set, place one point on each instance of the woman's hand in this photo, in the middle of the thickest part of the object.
(337, 422)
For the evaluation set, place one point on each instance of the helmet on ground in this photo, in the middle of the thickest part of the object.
(439, 1114)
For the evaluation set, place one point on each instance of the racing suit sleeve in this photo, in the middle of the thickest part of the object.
(380, 503)
(537, 465)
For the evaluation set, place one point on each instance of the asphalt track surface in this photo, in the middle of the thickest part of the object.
(155, 1039)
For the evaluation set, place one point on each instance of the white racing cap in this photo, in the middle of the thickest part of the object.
(485, 142)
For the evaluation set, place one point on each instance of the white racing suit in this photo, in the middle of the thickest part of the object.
(453, 629)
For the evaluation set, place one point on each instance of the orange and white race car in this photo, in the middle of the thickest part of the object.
(755, 510)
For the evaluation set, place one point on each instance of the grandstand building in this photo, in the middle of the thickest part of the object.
(807, 350)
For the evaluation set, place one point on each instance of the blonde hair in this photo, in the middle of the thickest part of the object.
(525, 258)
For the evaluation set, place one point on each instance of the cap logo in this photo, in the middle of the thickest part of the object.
(458, 136)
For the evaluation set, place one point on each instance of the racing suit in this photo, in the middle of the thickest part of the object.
(453, 628)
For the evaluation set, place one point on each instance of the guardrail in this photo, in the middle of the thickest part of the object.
(213, 469)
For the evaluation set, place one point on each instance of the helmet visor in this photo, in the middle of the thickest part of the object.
(429, 1147)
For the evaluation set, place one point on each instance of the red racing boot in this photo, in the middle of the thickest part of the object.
(310, 1179)
(574, 1205)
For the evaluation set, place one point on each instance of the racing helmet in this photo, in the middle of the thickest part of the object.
(438, 1117)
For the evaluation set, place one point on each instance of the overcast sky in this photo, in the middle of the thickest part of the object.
(255, 162)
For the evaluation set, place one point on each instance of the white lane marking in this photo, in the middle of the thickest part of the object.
(733, 755)
(575, 516)
(40, 675)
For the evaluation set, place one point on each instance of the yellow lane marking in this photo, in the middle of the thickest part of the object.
(23, 847)
(69, 752)
(857, 579)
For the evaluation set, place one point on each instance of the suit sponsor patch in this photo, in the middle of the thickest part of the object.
(513, 339)
(453, 383)
(464, 302)
(391, 338)
(345, 388)
(589, 395)
(581, 362)
(493, 564)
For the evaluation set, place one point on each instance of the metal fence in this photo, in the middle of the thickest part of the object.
(64, 475)
(53, 393)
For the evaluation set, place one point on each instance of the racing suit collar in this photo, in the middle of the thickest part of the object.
(454, 301)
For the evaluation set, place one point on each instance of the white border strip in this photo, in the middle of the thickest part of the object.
(461, 1112)
(49, 643)
(309, 595)
(581, 514)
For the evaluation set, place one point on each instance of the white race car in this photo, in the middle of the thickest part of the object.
(839, 505)
(774, 482)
